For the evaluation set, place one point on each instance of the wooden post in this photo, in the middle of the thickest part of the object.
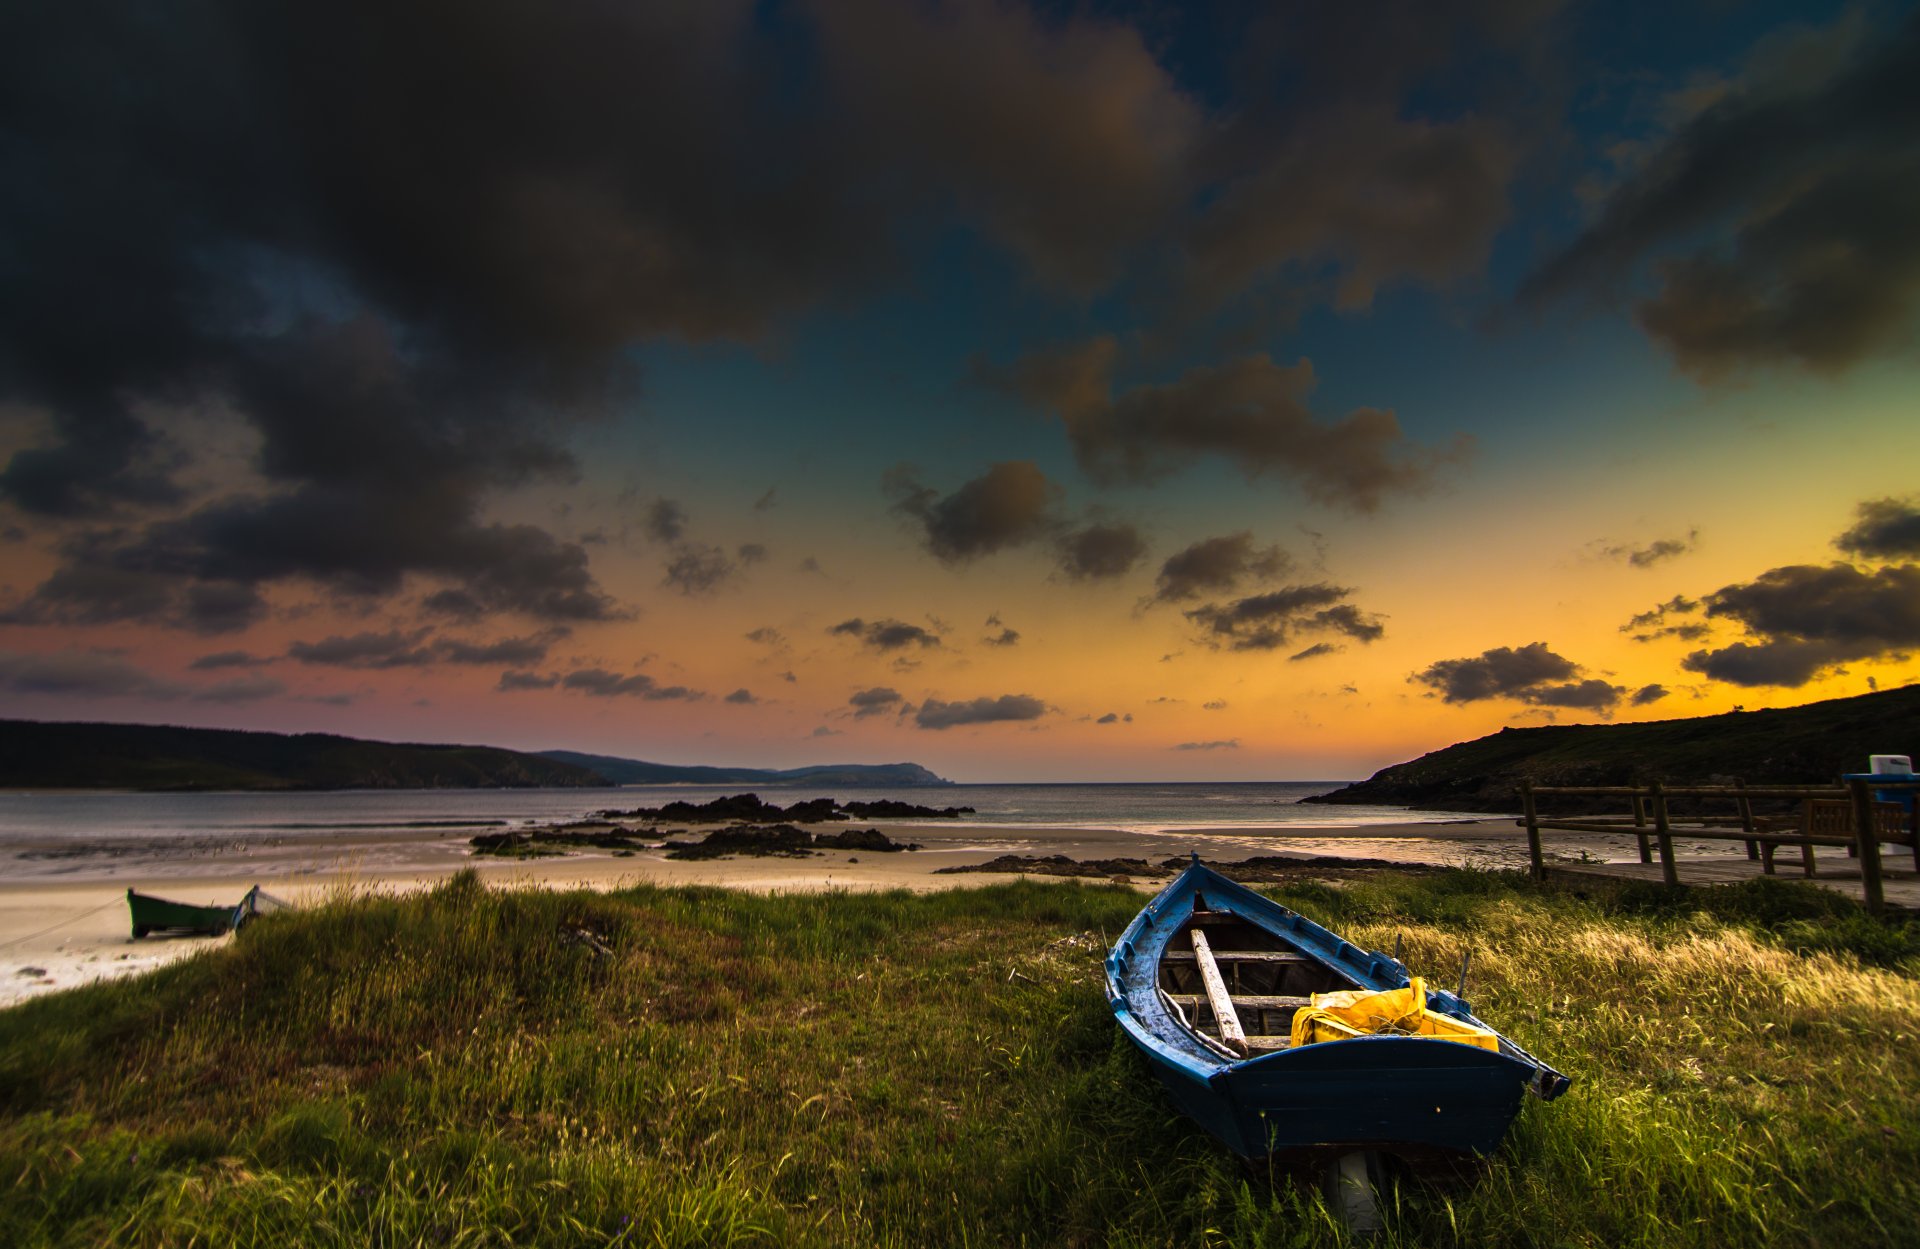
(1218, 997)
(1640, 828)
(1663, 834)
(1744, 805)
(1533, 830)
(1867, 838)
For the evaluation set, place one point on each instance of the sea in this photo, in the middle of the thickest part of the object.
(1028, 816)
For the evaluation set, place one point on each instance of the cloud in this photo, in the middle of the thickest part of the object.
(1315, 651)
(412, 649)
(599, 683)
(1530, 674)
(82, 674)
(1217, 565)
(751, 553)
(1100, 552)
(875, 702)
(1649, 694)
(697, 568)
(1651, 624)
(510, 681)
(935, 714)
(742, 697)
(1006, 637)
(1250, 411)
(1110, 718)
(227, 659)
(1886, 529)
(767, 635)
(822, 730)
(666, 521)
(1218, 704)
(1806, 619)
(885, 635)
(1075, 156)
(392, 649)
(1655, 552)
(1006, 506)
(1230, 743)
(1801, 182)
(1269, 621)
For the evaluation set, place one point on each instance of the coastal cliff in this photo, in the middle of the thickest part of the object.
(1811, 744)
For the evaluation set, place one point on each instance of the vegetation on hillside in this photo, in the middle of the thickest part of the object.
(1813, 745)
(700, 1067)
(163, 757)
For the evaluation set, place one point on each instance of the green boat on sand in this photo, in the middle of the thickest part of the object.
(151, 914)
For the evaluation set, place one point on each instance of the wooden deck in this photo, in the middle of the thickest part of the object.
(1900, 883)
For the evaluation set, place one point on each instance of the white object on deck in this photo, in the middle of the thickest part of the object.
(1894, 765)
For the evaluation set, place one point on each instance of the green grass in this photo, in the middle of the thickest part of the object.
(831, 1069)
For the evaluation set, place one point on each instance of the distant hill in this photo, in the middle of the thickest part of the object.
(158, 757)
(1812, 744)
(843, 775)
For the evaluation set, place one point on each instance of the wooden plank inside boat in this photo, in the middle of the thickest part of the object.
(1217, 996)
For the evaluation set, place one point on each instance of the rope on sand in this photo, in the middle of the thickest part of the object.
(7, 945)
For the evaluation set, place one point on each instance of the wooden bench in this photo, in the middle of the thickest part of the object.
(1829, 822)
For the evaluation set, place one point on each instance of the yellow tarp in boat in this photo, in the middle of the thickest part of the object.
(1397, 1012)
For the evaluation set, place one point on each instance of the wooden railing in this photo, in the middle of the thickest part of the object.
(1828, 816)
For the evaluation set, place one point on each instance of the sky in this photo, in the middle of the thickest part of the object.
(1033, 391)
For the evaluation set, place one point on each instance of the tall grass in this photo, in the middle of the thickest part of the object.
(464, 1068)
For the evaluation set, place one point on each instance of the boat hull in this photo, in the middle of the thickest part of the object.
(151, 915)
(1413, 1096)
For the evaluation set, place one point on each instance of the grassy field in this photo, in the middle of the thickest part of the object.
(466, 1068)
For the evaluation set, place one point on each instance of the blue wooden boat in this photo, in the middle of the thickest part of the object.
(1421, 1098)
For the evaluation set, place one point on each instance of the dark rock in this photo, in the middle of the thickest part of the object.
(862, 839)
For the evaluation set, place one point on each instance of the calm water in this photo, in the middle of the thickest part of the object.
(63, 833)
(57, 816)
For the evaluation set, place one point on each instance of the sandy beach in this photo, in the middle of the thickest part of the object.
(64, 921)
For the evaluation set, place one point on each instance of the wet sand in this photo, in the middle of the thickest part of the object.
(64, 920)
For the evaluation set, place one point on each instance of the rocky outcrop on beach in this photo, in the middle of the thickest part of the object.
(782, 840)
(1808, 745)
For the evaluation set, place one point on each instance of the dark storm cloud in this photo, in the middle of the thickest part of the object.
(1219, 566)
(236, 205)
(875, 702)
(82, 674)
(935, 714)
(1333, 175)
(1099, 552)
(1649, 694)
(521, 650)
(1886, 529)
(1072, 158)
(1269, 621)
(1250, 411)
(1530, 674)
(1815, 178)
(1805, 619)
(885, 635)
(600, 683)
(1004, 507)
